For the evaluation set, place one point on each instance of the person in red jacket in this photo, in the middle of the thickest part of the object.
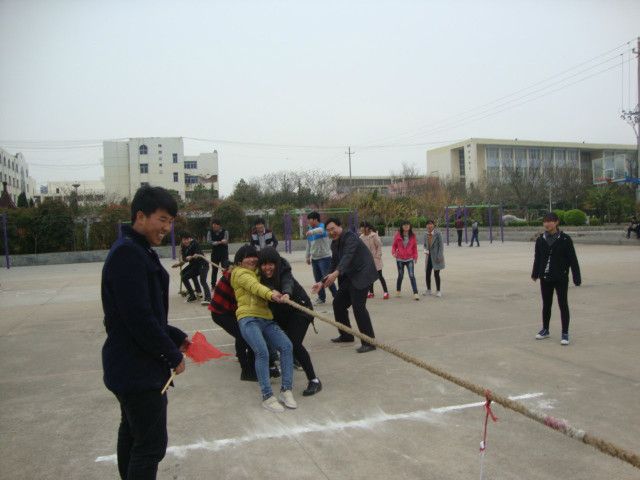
(405, 251)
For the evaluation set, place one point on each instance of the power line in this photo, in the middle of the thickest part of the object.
(545, 80)
(519, 104)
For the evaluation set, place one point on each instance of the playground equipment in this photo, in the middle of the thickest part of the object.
(463, 210)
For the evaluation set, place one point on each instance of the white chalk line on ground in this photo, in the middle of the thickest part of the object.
(430, 415)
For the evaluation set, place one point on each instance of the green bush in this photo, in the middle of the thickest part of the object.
(575, 217)
(595, 222)
(519, 223)
(233, 219)
(560, 214)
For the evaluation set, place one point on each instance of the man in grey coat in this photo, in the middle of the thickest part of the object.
(353, 266)
(434, 251)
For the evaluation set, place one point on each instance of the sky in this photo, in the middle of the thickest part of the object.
(277, 85)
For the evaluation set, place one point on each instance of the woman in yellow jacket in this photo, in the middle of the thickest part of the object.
(259, 330)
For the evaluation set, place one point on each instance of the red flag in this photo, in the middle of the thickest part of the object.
(199, 350)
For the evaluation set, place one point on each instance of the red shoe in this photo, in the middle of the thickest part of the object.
(385, 296)
(370, 295)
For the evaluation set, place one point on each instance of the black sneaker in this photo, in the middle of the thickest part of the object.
(274, 372)
(248, 376)
(342, 339)
(542, 334)
(191, 298)
(296, 364)
(312, 388)
(365, 348)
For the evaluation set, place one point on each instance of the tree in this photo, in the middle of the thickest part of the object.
(247, 194)
(233, 218)
(22, 200)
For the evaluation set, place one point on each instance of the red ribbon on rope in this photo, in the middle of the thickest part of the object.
(489, 413)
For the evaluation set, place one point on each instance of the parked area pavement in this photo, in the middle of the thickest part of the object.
(377, 417)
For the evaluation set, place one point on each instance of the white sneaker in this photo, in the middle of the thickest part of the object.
(426, 292)
(286, 397)
(439, 294)
(318, 301)
(272, 405)
(416, 296)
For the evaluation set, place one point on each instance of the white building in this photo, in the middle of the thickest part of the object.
(480, 159)
(15, 171)
(157, 161)
(89, 191)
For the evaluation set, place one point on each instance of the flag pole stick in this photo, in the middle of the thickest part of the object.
(166, 385)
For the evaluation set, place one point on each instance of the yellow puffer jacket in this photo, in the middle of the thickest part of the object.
(253, 297)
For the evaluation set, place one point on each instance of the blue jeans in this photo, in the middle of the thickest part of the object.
(258, 332)
(412, 276)
(321, 268)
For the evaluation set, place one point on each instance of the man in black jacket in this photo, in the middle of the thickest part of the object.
(218, 238)
(353, 266)
(554, 256)
(197, 268)
(141, 348)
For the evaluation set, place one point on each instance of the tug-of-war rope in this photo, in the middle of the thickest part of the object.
(556, 424)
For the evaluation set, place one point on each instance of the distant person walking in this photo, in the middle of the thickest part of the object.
(434, 250)
(369, 236)
(475, 230)
(459, 227)
(554, 256)
(405, 251)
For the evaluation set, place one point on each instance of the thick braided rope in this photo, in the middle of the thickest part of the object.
(556, 424)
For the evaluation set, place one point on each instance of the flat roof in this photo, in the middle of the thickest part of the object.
(536, 143)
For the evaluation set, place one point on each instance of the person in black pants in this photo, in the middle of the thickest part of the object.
(198, 268)
(218, 238)
(353, 266)
(554, 256)
(141, 348)
(459, 227)
(275, 273)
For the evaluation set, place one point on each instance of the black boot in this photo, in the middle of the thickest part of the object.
(312, 388)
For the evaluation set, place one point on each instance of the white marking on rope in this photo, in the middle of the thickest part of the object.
(331, 426)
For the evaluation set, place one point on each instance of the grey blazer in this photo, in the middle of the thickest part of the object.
(437, 250)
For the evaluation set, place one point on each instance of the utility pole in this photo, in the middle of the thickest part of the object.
(349, 152)
(632, 117)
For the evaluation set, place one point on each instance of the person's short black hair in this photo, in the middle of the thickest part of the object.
(259, 221)
(551, 217)
(335, 220)
(313, 216)
(149, 199)
(216, 221)
(430, 221)
(184, 234)
(268, 255)
(243, 252)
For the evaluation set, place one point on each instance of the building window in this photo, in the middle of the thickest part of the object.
(175, 158)
(175, 177)
(143, 149)
(57, 190)
(190, 164)
(535, 159)
(461, 162)
(190, 179)
(160, 152)
(144, 184)
(144, 168)
(159, 145)
(493, 164)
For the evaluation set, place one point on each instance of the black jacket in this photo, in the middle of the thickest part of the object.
(141, 347)
(563, 257)
(192, 249)
(353, 259)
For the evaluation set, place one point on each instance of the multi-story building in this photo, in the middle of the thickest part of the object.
(89, 191)
(479, 159)
(158, 161)
(15, 171)
(362, 184)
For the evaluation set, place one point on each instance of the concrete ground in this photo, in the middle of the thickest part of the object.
(377, 416)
